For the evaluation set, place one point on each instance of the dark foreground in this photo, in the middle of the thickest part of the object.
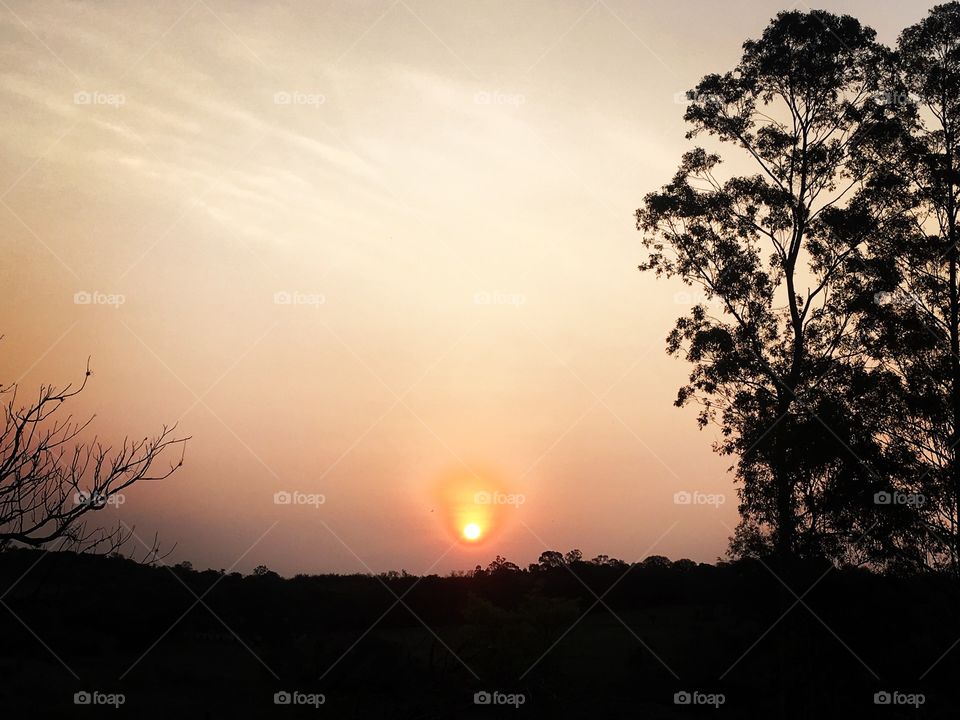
(82, 635)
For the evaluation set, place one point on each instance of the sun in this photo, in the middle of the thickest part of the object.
(471, 531)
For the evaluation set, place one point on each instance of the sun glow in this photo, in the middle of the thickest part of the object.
(473, 506)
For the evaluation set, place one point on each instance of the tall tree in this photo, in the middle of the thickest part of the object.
(913, 328)
(776, 367)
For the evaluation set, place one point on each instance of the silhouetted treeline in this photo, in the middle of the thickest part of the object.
(658, 628)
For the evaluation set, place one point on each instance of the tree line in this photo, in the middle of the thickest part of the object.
(818, 214)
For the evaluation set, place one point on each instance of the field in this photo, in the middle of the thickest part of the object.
(732, 636)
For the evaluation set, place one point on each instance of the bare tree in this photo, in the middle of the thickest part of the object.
(51, 481)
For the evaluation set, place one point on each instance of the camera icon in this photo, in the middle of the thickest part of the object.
(682, 498)
(82, 98)
(882, 498)
(82, 298)
(482, 698)
(282, 498)
(482, 298)
(882, 698)
(282, 698)
(92, 498)
(482, 498)
(682, 698)
(282, 98)
(281, 297)
(482, 98)
(82, 698)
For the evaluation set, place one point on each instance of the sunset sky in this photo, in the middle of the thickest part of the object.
(379, 252)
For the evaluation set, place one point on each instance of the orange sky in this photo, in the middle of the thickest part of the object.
(368, 252)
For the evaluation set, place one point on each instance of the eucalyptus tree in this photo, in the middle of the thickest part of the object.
(778, 252)
(912, 330)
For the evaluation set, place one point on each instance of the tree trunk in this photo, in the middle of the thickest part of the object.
(954, 396)
(954, 312)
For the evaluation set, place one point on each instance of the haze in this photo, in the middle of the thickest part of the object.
(359, 249)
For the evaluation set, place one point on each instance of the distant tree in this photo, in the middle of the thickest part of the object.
(551, 559)
(573, 556)
(52, 482)
(607, 561)
(502, 565)
(656, 561)
(775, 361)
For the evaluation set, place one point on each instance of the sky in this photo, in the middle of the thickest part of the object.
(377, 259)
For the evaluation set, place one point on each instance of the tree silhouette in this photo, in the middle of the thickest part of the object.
(551, 559)
(501, 565)
(773, 252)
(912, 327)
(51, 481)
